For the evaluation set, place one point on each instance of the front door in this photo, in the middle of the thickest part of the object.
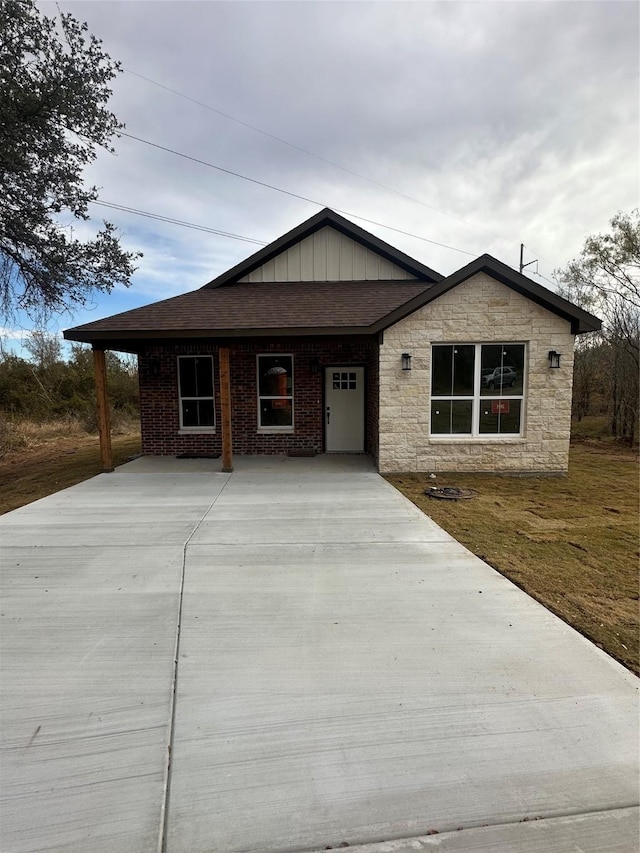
(344, 409)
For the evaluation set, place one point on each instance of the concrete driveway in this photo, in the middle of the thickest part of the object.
(347, 674)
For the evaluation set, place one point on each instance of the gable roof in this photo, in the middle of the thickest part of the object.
(581, 321)
(227, 307)
(321, 220)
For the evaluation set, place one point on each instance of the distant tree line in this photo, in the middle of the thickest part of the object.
(605, 280)
(47, 387)
(605, 383)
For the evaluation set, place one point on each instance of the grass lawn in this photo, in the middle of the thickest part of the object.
(571, 543)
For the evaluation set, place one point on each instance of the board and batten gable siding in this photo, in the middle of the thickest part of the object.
(479, 310)
(328, 255)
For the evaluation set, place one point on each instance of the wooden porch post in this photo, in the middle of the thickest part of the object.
(104, 425)
(225, 405)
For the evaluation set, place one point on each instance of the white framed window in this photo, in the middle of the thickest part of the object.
(195, 389)
(477, 390)
(275, 392)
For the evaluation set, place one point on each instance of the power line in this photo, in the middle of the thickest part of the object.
(206, 229)
(159, 217)
(554, 283)
(316, 156)
(289, 193)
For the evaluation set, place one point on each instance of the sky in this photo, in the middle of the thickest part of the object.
(473, 126)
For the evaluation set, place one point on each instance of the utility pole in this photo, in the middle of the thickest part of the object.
(522, 264)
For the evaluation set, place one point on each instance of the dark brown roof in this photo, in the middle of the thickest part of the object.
(324, 218)
(581, 321)
(226, 307)
(256, 309)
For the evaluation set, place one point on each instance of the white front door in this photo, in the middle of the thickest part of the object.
(344, 409)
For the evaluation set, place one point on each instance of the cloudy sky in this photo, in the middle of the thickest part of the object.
(477, 125)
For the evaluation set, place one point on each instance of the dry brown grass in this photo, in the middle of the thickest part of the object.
(22, 434)
(52, 457)
(571, 543)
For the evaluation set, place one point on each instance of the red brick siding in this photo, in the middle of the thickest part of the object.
(159, 403)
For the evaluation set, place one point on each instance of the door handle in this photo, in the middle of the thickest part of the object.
(328, 413)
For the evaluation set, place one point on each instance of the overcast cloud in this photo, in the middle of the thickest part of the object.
(511, 122)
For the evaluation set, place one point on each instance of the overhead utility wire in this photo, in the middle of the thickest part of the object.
(289, 193)
(168, 219)
(317, 156)
(207, 230)
(554, 283)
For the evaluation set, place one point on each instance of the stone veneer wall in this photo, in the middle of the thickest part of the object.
(159, 414)
(479, 310)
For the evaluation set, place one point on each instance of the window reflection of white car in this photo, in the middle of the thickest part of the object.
(501, 377)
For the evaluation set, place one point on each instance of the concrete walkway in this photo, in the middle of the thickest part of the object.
(347, 674)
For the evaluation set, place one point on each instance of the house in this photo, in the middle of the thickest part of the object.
(331, 340)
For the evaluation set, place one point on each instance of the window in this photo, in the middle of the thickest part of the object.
(275, 392)
(195, 384)
(344, 381)
(477, 389)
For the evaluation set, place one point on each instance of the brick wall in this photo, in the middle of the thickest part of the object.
(479, 310)
(159, 403)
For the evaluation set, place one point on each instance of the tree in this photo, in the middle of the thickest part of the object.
(47, 387)
(44, 348)
(605, 279)
(54, 86)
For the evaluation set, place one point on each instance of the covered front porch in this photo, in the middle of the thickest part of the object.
(246, 396)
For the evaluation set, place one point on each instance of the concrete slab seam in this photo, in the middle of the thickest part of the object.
(402, 844)
(164, 808)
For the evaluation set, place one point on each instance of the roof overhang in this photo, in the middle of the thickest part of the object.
(130, 341)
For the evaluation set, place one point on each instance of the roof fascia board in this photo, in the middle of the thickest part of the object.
(581, 321)
(324, 218)
(128, 338)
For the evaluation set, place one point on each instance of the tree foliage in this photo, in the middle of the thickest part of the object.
(54, 87)
(605, 279)
(47, 387)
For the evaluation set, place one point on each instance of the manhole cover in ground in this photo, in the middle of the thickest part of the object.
(450, 493)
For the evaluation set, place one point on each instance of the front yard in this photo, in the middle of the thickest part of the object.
(571, 543)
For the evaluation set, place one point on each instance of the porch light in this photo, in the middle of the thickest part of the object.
(154, 367)
(554, 358)
(314, 365)
(406, 361)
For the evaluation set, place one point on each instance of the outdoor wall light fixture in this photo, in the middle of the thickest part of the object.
(554, 358)
(314, 365)
(406, 361)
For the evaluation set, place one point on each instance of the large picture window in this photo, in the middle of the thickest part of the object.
(275, 392)
(477, 389)
(195, 384)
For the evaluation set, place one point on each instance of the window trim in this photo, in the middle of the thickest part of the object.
(476, 399)
(189, 430)
(264, 430)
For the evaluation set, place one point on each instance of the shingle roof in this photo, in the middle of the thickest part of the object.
(326, 307)
(226, 307)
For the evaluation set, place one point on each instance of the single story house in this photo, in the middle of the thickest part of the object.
(329, 340)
